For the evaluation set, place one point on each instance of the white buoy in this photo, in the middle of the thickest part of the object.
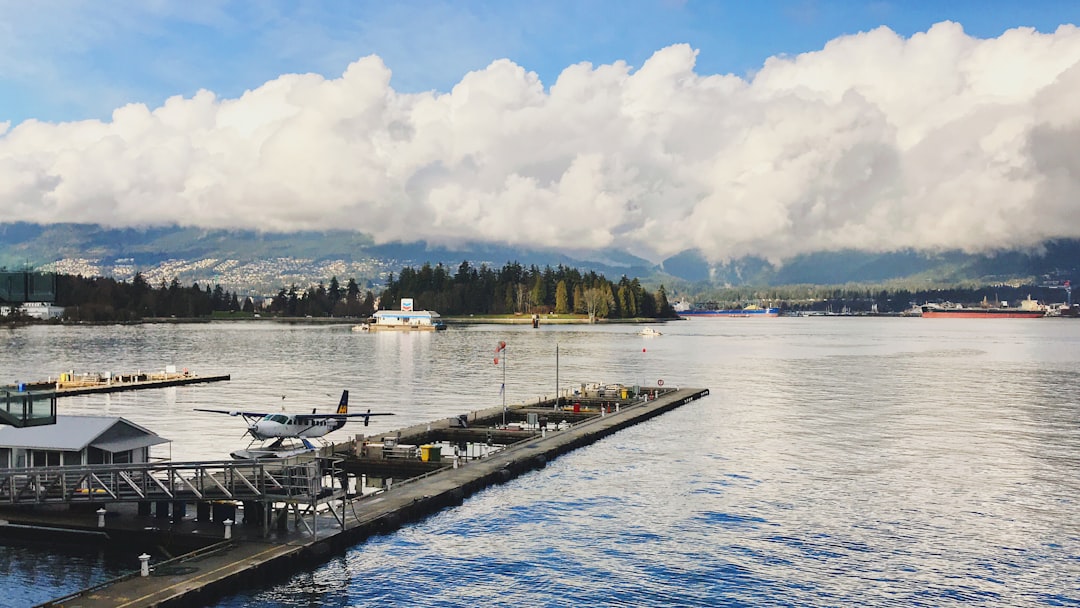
(101, 517)
(228, 528)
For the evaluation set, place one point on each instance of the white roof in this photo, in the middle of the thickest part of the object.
(406, 313)
(75, 433)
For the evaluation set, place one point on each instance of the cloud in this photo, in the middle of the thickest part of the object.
(875, 142)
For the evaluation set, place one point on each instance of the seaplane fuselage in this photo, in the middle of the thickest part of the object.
(284, 425)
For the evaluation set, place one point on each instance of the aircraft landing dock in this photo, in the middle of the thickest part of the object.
(297, 539)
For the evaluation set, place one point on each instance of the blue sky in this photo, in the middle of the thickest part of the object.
(81, 59)
(651, 126)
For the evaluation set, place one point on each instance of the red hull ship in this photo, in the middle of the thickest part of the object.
(981, 313)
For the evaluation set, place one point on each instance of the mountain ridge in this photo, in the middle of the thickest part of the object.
(254, 262)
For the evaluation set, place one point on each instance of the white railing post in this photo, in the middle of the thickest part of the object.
(144, 566)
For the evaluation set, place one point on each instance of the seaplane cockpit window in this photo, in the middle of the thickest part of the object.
(283, 419)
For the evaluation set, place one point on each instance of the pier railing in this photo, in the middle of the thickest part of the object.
(286, 479)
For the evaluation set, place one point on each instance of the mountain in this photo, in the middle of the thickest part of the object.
(1055, 261)
(255, 262)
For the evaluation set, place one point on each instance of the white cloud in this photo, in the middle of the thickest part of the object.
(875, 142)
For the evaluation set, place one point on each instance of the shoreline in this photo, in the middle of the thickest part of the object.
(449, 320)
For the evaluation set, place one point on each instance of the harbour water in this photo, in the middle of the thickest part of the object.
(838, 461)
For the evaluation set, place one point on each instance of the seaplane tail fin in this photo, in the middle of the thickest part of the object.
(343, 405)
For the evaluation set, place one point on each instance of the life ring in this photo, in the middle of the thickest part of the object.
(660, 382)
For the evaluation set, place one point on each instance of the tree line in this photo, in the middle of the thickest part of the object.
(512, 289)
(324, 301)
(104, 299)
(892, 298)
(515, 289)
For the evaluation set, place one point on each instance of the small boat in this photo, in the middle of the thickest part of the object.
(648, 331)
(361, 327)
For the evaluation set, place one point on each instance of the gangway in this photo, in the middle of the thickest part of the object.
(301, 484)
(296, 478)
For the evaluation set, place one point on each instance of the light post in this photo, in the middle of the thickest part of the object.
(501, 348)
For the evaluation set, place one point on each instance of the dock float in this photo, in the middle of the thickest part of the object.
(251, 556)
(69, 384)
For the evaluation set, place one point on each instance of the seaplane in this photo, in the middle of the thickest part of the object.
(289, 434)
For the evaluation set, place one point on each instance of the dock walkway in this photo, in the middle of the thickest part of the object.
(81, 384)
(250, 559)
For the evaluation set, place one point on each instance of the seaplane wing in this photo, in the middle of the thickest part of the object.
(233, 412)
(300, 418)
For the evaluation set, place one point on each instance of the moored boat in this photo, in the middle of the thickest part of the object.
(1028, 309)
(749, 311)
(980, 313)
(406, 319)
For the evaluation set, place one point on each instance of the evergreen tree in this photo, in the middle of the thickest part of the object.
(562, 303)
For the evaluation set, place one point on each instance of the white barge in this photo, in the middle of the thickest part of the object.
(406, 319)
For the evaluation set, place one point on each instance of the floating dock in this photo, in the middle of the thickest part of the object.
(376, 484)
(70, 383)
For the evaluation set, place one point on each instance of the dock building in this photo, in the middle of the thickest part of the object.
(77, 440)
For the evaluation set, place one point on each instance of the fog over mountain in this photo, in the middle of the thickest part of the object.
(874, 143)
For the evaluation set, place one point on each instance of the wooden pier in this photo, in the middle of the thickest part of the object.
(69, 384)
(508, 443)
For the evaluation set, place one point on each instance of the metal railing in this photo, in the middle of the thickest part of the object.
(287, 479)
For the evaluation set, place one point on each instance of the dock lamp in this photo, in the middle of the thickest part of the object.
(501, 349)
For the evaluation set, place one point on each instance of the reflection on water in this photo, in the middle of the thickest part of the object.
(837, 461)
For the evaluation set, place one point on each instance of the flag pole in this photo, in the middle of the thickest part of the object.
(504, 385)
(556, 375)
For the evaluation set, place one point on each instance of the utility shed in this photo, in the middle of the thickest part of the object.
(77, 440)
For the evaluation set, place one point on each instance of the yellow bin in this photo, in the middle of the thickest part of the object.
(431, 453)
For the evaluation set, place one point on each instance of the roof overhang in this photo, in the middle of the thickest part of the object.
(128, 443)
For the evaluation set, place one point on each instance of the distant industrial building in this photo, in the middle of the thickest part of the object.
(30, 294)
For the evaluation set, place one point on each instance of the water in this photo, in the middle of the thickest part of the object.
(881, 462)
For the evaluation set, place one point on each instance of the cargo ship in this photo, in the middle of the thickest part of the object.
(749, 311)
(980, 313)
(1029, 309)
